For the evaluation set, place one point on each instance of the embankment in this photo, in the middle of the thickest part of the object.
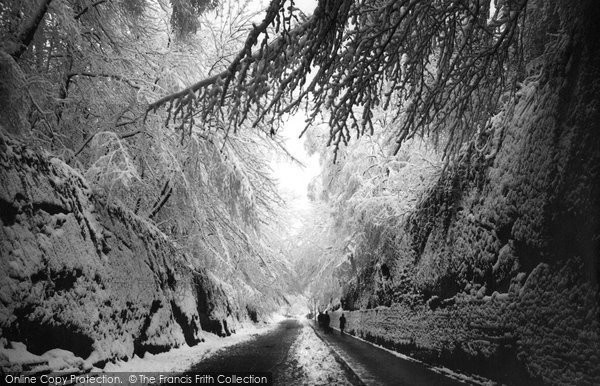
(497, 270)
(84, 275)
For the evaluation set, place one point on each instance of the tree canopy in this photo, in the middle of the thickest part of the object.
(441, 66)
(108, 84)
(92, 67)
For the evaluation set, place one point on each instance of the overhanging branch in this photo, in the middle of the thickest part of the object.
(441, 66)
(101, 75)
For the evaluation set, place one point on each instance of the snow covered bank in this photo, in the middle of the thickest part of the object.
(548, 326)
(497, 270)
(84, 275)
(182, 358)
(178, 359)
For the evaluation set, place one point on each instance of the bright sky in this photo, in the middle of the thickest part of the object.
(306, 6)
(293, 179)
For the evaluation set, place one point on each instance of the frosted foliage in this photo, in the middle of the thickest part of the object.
(108, 283)
(495, 270)
(114, 166)
(439, 68)
(366, 190)
(91, 70)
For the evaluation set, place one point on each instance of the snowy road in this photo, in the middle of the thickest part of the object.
(291, 352)
(295, 355)
(263, 353)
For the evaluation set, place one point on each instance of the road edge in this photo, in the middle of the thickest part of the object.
(467, 379)
(352, 375)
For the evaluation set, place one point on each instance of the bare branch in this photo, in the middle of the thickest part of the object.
(89, 139)
(164, 196)
(111, 76)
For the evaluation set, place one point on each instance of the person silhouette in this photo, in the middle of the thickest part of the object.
(342, 324)
(326, 321)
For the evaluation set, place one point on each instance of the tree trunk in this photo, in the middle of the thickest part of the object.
(13, 96)
(28, 29)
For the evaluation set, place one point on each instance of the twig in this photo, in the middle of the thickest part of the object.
(87, 141)
(102, 75)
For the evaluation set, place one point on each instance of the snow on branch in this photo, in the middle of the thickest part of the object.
(441, 66)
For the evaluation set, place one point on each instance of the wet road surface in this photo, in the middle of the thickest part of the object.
(269, 353)
(375, 366)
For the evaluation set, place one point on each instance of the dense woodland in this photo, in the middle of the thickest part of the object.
(456, 140)
(195, 162)
(92, 68)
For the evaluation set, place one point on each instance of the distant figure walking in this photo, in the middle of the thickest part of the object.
(326, 321)
(342, 324)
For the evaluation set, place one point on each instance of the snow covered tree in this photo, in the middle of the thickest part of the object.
(359, 201)
(91, 67)
(442, 67)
